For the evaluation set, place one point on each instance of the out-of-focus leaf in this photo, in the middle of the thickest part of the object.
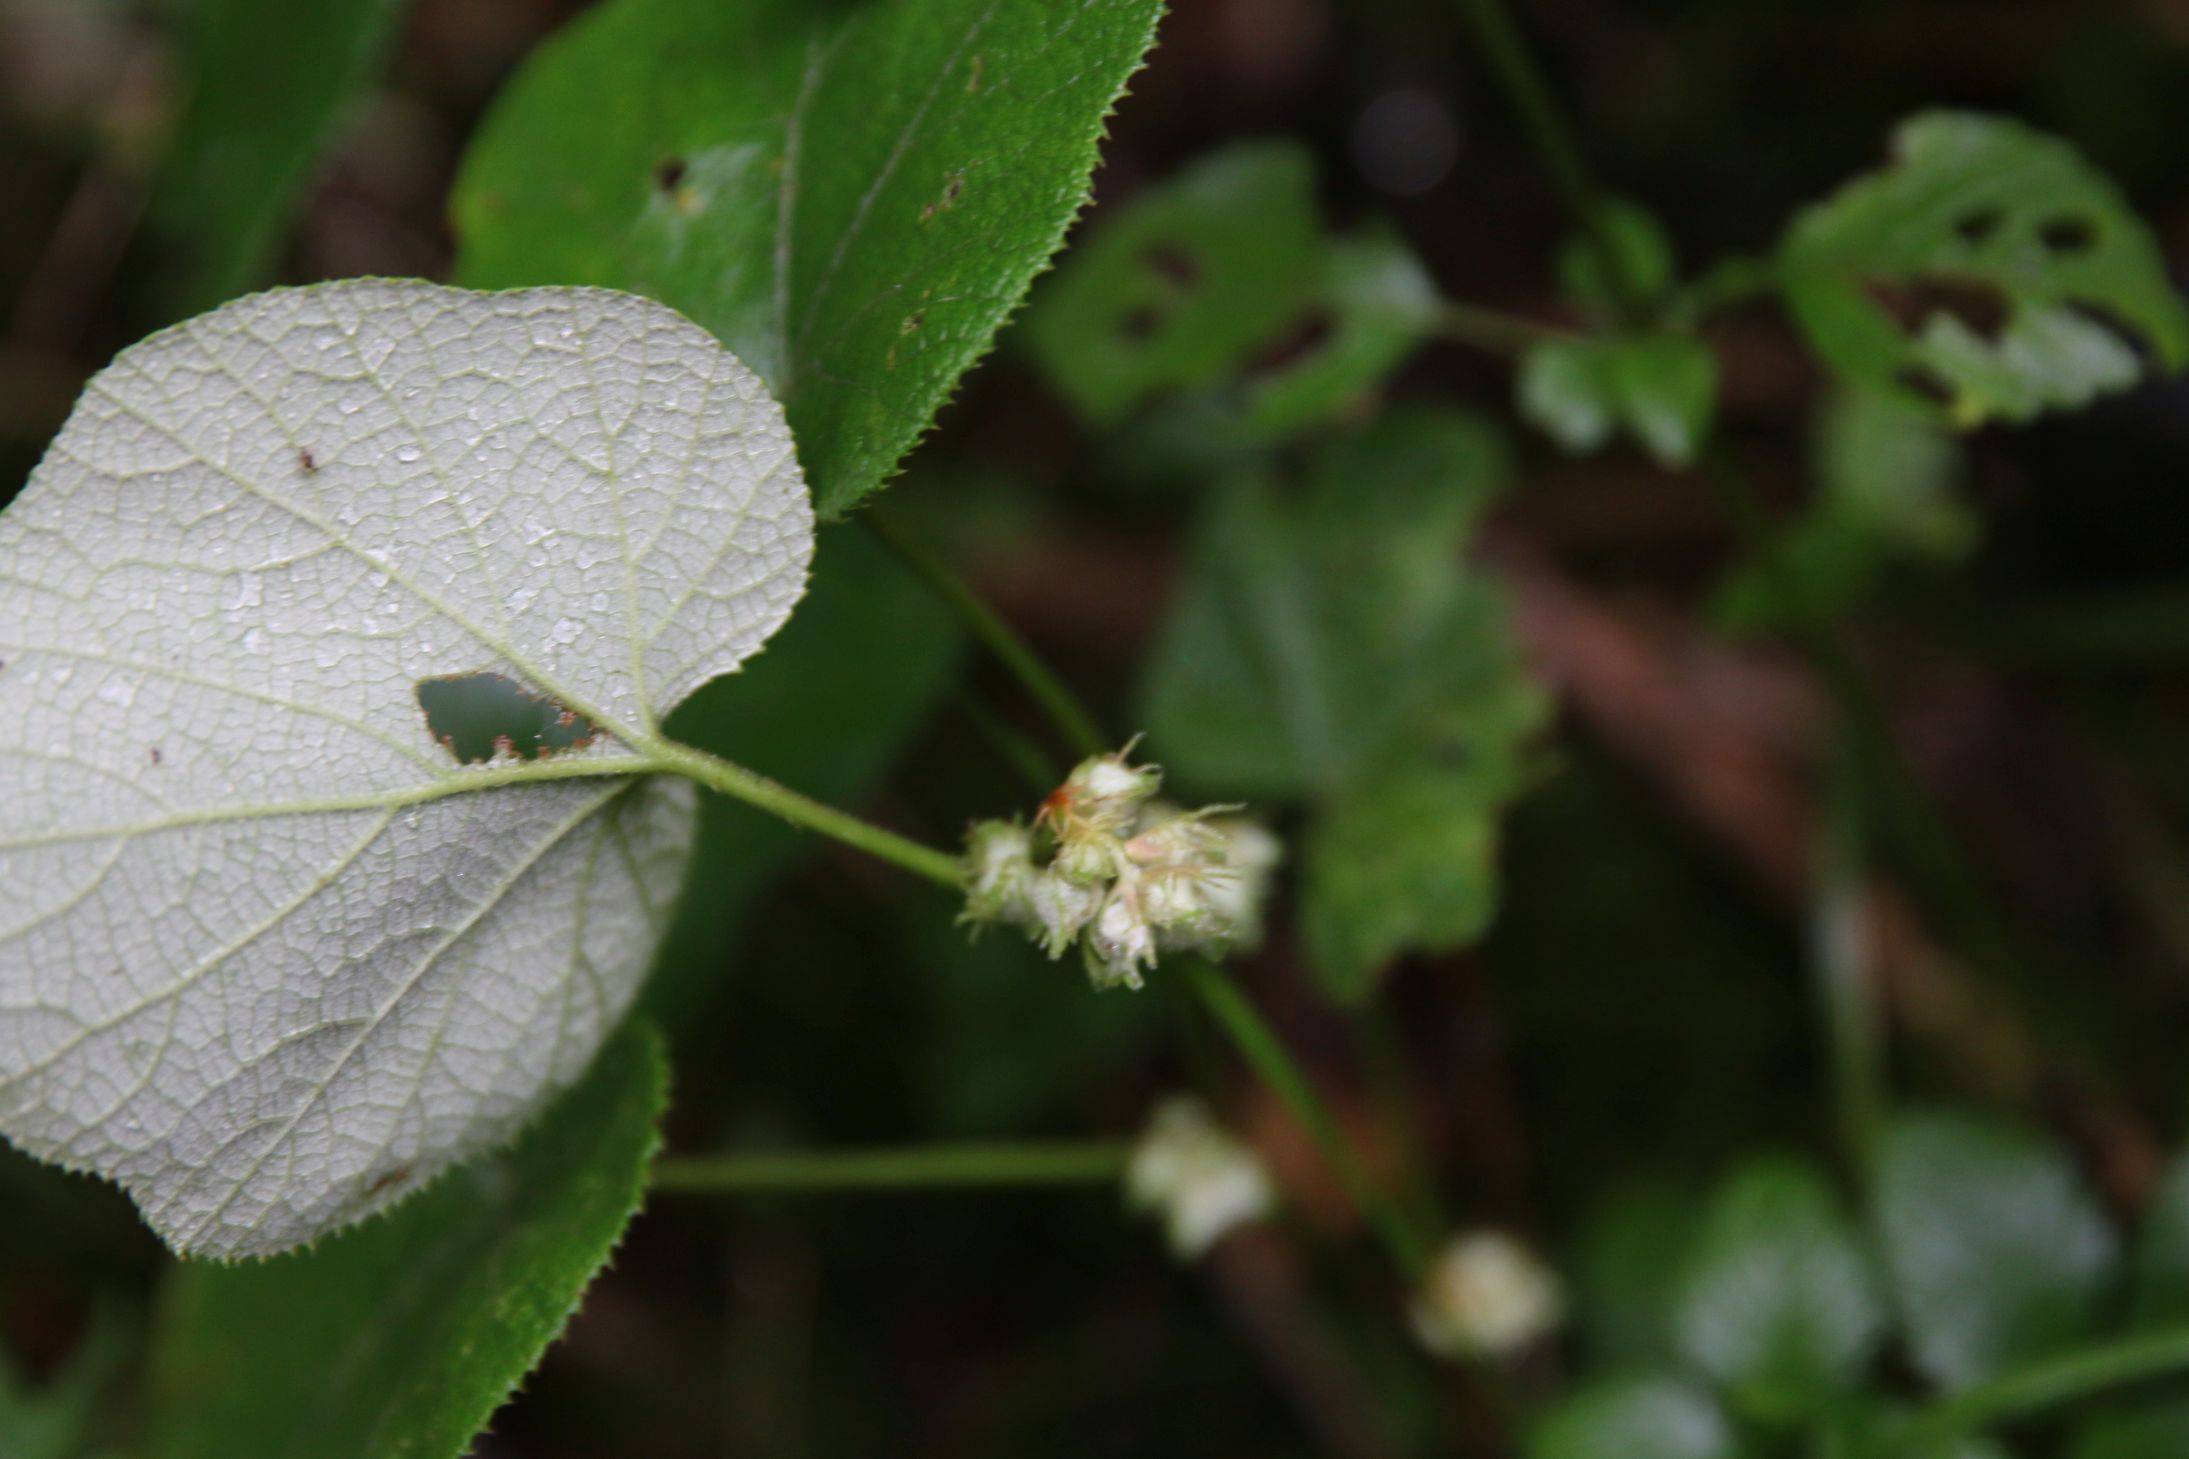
(2159, 1431)
(1377, 304)
(1988, 270)
(1185, 285)
(1405, 861)
(1645, 254)
(1865, 1426)
(1635, 1418)
(268, 82)
(2159, 1280)
(1660, 389)
(853, 196)
(1886, 476)
(847, 681)
(63, 1417)
(1318, 630)
(1996, 1253)
(1334, 643)
(399, 1339)
(1780, 1306)
(1627, 1270)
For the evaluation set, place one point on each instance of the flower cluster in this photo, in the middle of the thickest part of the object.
(1486, 1295)
(1197, 1177)
(1109, 866)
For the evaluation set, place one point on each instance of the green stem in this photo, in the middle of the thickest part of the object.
(816, 1172)
(1000, 639)
(1260, 1046)
(1555, 140)
(940, 867)
(2046, 1384)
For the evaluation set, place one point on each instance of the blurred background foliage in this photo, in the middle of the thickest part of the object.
(1242, 476)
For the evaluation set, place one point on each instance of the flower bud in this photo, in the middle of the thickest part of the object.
(1058, 909)
(1089, 859)
(1120, 943)
(999, 858)
(1486, 1295)
(1200, 1180)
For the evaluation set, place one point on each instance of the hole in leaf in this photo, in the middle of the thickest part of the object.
(2067, 234)
(668, 172)
(482, 717)
(1308, 334)
(1172, 264)
(1977, 226)
(2130, 338)
(1979, 306)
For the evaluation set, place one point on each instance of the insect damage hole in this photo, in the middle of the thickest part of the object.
(483, 717)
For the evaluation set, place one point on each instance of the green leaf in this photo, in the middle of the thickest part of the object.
(269, 83)
(1866, 1426)
(1887, 476)
(1997, 1254)
(2159, 1278)
(2156, 1431)
(1988, 270)
(1184, 286)
(1780, 1306)
(854, 197)
(1660, 389)
(399, 1339)
(1320, 631)
(1404, 862)
(1645, 253)
(1634, 1418)
(1377, 303)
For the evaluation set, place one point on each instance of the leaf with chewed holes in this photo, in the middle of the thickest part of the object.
(278, 942)
(1988, 270)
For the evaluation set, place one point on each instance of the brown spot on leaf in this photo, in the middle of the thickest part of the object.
(669, 172)
(306, 461)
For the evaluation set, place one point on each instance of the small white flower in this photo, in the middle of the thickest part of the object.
(1201, 1181)
(1059, 909)
(1486, 1295)
(1121, 942)
(999, 857)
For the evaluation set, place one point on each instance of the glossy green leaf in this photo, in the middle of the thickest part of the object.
(1634, 1418)
(1988, 270)
(1780, 1306)
(269, 83)
(1659, 389)
(854, 197)
(1184, 286)
(1997, 1255)
(399, 1339)
(2156, 1431)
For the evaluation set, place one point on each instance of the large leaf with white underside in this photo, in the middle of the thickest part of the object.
(853, 196)
(272, 951)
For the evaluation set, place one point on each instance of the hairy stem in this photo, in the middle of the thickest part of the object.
(1000, 639)
(916, 1168)
(941, 867)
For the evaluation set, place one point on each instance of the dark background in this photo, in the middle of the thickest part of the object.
(1639, 1015)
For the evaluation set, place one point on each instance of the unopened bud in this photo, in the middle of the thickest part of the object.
(999, 858)
(1059, 909)
(1120, 943)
